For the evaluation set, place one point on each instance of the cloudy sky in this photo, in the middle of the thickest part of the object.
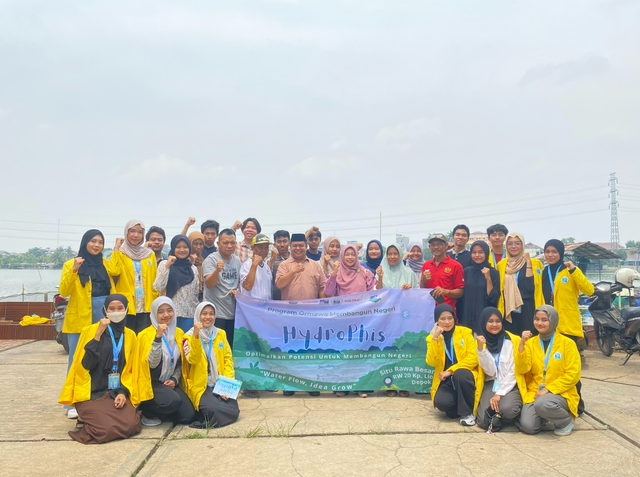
(327, 112)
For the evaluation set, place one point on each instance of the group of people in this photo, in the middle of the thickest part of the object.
(142, 327)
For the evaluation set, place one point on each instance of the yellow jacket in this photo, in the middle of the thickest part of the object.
(521, 379)
(466, 351)
(122, 266)
(145, 340)
(563, 371)
(505, 255)
(197, 377)
(567, 288)
(77, 386)
(537, 282)
(78, 314)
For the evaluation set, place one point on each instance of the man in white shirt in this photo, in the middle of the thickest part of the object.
(255, 274)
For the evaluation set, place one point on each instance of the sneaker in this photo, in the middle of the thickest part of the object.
(565, 431)
(288, 393)
(150, 421)
(72, 413)
(468, 421)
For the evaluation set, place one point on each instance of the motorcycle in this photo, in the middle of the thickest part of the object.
(60, 303)
(613, 326)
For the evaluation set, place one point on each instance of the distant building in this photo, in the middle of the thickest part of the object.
(403, 242)
(475, 236)
(532, 249)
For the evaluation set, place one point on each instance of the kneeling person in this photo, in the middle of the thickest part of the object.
(503, 389)
(163, 368)
(209, 356)
(100, 383)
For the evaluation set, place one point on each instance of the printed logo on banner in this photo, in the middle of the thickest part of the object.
(350, 345)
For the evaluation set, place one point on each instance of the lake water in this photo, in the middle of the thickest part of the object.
(34, 281)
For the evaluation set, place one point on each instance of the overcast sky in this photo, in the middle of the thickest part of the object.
(325, 112)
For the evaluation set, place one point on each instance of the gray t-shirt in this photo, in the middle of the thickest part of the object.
(228, 280)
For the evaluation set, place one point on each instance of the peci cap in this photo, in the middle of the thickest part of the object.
(298, 238)
(441, 237)
(260, 238)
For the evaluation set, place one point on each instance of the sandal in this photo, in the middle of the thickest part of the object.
(363, 394)
(404, 393)
(391, 393)
(341, 393)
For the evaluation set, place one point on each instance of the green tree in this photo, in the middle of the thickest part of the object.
(622, 254)
(567, 240)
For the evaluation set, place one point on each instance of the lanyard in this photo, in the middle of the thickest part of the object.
(451, 355)
(497, 360)
(116, 350)
(495, 262)
(170, 350)
(552, 280)
(210, 348)
(547, 355)
(138, 267)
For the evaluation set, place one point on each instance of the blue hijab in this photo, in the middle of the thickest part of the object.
(373, 264)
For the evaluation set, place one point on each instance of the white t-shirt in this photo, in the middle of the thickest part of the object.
(262, 283)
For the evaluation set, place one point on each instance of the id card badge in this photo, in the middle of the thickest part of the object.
(495, 386)
(517, 310)
(542, 386)
(139, 292)
(114, 380)
(210, 382)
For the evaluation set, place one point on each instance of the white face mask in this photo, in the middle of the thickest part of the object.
(116, 316)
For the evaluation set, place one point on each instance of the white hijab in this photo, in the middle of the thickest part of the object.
(169, 336)
(207, 335)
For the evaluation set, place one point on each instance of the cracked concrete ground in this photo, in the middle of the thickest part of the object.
(326, 435)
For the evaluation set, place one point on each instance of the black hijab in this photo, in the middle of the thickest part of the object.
(446, 335)
(117, 328)
(93, 266)
(494, 342)
(547, 288)
(106, 346)
(180, 273)
(475, 289)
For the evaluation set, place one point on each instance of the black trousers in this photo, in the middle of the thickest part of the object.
(456, 394)
(216, 411)
(138, 322)
(228, 326)
(169, 404)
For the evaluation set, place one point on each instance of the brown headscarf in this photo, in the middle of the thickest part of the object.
(512, 296)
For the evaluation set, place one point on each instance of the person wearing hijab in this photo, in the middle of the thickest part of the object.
(163, 368)
(521, 286)
(457, 382)
(101, 382)
(197, 246)
(87, 283)
(414, 258)
(209, 356)
(330, 254)
(373, 256)
(481, 287)
(503, 390)
(135, 268)
(392, 273)
(562, 284)
(348, 276)
(553, 362)
(178, 279)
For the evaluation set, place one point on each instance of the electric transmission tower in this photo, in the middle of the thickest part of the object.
(613, 195)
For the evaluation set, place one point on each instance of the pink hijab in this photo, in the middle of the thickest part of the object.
(355, 278)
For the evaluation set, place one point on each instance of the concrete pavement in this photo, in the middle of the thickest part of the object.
(322, 436)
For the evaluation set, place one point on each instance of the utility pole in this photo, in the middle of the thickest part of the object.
(380, 238)
(58, 246)
(613, 195)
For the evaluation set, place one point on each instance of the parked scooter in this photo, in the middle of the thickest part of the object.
(611, 325)
(57, 316)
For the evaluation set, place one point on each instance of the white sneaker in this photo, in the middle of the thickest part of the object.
(469, 420)
(72, 413)
(565, 431)
(150, 421)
